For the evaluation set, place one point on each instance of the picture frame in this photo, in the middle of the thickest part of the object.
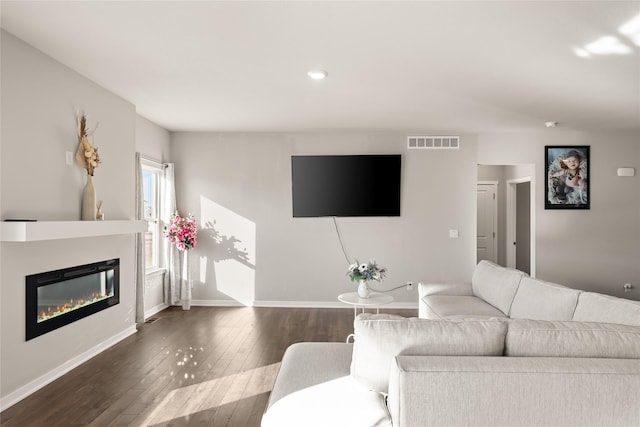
(567, 179)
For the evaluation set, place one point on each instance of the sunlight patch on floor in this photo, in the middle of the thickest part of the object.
(189, 400)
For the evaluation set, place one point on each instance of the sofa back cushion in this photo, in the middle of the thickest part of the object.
(539, 300)
(539, 338)
(379, 340)
(495, 284)
(593, 307)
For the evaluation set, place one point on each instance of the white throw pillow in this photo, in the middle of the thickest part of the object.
(379, 340)
(539, 338)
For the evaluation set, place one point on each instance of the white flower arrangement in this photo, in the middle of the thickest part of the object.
(370, 271)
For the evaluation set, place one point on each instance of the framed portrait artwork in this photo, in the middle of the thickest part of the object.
(567, 177)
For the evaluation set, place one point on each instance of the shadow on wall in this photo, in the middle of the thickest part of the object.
(227, 248)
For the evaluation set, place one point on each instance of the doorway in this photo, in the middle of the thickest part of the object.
(507, 180)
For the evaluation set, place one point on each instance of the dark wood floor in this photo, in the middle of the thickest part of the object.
(210, 366)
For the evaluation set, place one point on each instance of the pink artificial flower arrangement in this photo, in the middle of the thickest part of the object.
(182, 232)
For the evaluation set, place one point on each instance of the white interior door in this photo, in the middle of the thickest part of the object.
(486, 246)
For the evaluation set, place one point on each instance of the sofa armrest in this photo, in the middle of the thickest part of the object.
(459, 289)
(468, 390)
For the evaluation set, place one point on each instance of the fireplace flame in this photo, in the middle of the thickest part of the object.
(52, 311)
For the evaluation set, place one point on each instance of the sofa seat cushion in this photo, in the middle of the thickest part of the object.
(538, 338)
(446, 306)
(314, 388)
(495, 284)
(378, 341)
(593, 307)
(330, 360)
(341, 402)
(540, 300)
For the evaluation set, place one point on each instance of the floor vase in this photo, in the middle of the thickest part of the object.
(185, 281)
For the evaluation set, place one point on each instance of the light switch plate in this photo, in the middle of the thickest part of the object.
(453, 233)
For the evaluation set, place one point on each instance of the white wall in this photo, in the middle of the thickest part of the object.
(243, 183)
(152, 141)
(39, 102)
(596, 249)
(39, 99)
(241, 186)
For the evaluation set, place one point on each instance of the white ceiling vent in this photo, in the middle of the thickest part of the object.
(433, 142)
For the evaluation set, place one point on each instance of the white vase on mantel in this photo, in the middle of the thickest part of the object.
(89, 206)
(363, 289)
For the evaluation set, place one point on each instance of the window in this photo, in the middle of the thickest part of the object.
(151, 174)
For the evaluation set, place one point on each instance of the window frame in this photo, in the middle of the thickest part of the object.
(154, 221)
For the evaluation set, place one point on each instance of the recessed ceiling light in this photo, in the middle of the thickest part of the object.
(317, 74)
(551, 124)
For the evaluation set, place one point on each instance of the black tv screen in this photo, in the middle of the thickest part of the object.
(361, 185)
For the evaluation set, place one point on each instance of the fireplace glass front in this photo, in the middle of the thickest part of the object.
(57, 298)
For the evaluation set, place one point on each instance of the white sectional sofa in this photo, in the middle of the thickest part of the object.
(495, 291)
(484, 356)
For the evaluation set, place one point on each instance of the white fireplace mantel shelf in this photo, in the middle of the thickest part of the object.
(56, 230)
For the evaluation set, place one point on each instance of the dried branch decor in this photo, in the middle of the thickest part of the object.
(87, 153)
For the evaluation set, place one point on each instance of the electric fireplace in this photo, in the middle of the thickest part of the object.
(57, 298)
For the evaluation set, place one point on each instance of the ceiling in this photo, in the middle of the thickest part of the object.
(437, 66)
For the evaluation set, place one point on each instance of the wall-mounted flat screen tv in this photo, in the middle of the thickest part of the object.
(346, 185)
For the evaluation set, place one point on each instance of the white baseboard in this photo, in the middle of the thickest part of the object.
(296, 304)
(35, 385)
(153, 310)
(217, 303)
(300, 304)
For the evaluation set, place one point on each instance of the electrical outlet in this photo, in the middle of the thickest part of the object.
(68, 157)
(627, 287)
(409, 286)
